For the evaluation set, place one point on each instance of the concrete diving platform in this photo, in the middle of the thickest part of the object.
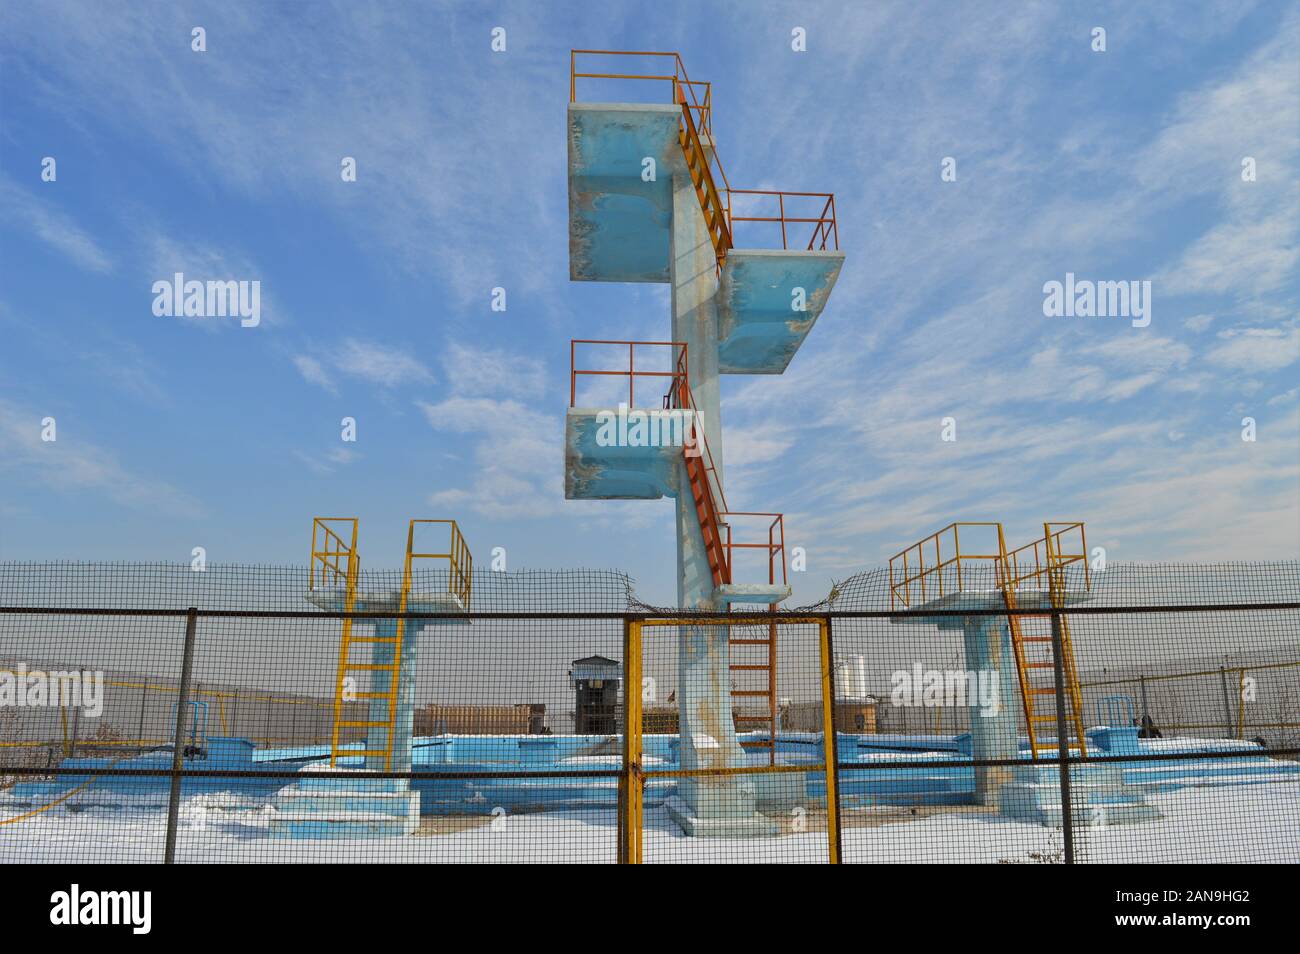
(760, 326)
(620, 223)
(598, 468)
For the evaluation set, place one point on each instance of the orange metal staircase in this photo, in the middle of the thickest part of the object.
(697, 164)
(715, 521)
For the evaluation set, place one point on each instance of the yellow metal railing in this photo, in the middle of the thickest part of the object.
(460, 562)
(1062, 544)
(631, 784)
(333, 553)
(936, 566)
(338, 560)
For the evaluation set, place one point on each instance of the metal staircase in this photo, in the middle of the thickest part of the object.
(702, 477)
(1031, 638)
(697, 164)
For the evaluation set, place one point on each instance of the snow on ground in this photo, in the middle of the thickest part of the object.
(1248, 823)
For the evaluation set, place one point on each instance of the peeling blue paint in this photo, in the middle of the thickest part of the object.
(759, 332)
(593, 472)
(619, 223)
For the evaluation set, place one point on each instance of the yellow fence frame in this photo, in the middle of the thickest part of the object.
(631, 786)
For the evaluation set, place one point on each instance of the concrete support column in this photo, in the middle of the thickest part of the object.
(987, 643)
(708, 735)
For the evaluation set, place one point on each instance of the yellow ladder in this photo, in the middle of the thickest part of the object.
(1031, 642)
(335, 558)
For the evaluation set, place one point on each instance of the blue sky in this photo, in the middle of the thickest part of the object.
(1115, 165)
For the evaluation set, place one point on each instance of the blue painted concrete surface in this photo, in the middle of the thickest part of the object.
(940, 785)
(619, 223)
(759, 329)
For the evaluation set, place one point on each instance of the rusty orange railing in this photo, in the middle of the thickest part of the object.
(678, 360)
(775, 546)
(712, 185)
(825, 235)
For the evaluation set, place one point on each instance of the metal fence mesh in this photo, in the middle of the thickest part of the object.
(524, 744)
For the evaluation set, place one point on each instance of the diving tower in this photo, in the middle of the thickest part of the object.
(649, 201)
(964, 572)
(383, 683)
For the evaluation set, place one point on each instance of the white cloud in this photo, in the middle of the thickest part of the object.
(379, 364)
(517, 471)
(313, 372)
(1258, 349)
(73, 465)
(330, 461)
(51, 226)
(384, 365)
(486, 371)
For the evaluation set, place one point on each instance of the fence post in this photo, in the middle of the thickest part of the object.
(627, 729)
(631, 781)
(829, 753)
(178, 740)
(1227, 704)
(1062, 741)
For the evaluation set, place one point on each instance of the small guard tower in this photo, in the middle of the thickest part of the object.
(595, 691)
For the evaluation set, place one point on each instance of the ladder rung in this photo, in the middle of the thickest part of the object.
(364, 725)
(371, 695)
(371, 666)
(751, 642)
(750, 692)
(1038, 665)
(374, 639)
(751, 718)
(750, 667)
(1041, 692)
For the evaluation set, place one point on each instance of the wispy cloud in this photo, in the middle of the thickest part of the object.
(516, 472)
(40, 215)
(383, 365)
(73, 465)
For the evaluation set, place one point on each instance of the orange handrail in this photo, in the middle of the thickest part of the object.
(775, 541)
(681, 397)
(631, 373)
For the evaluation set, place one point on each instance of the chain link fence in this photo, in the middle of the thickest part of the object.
(151, 713)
